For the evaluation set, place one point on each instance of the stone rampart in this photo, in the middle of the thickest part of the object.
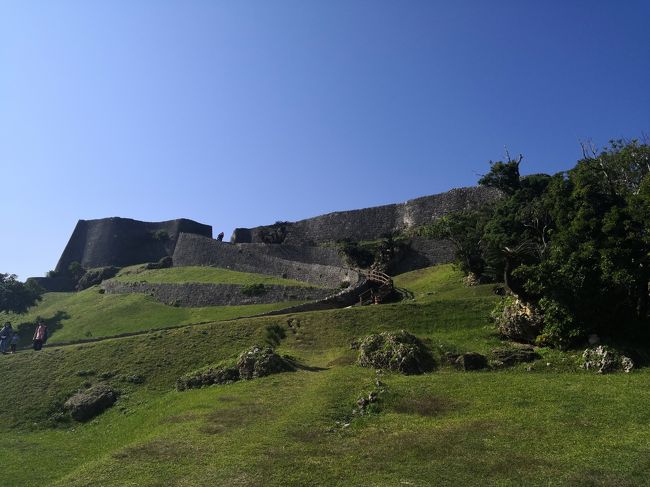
(370, 223)
(194, 250)
(422, 253)
(121, 241)
(198, 295)
(299, 253)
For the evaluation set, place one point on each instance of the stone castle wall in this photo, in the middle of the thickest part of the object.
(121, 241)
(373, 223)
(197, 295)
(195, 250)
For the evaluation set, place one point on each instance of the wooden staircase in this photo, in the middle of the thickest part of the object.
(382, 287)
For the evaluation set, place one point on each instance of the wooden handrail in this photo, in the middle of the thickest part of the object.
(378, 276)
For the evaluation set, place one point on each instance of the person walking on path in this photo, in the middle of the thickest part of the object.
(220, 237)
(40, 336)
(14, 342)
(5, 336)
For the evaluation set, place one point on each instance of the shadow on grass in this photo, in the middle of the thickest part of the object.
(300, 366)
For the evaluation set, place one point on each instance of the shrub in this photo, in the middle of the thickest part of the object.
(163, 263)
(207, 376)
(398, 351)
(261, 361)
(253, 289)
(93, 277)
(252, 363)
(275, 334)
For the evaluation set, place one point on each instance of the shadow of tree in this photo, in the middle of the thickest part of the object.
(26, 329)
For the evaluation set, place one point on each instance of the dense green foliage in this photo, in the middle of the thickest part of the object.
(574, 245)
(16, 296)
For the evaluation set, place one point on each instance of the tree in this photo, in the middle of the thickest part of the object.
(503, 175)
(17, 297)
(464, 229)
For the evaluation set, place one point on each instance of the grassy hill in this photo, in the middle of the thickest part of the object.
(544, 424)
(90, 314)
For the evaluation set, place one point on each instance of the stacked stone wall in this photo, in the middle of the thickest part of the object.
(373, 223)
(198, 295)
(194, 250)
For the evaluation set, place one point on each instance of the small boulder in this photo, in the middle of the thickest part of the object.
(512, 356)
(397, 351)
(472, 361)
(87, 404)
(261, 361)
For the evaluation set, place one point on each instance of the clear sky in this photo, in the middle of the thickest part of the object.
(240, 113)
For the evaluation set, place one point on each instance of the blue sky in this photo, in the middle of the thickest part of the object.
(239, 113)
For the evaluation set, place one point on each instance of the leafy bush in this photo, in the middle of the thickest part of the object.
(252, 363)
(93, 277)
(398, 351)
(275, 334)
(18, 297)
(253, 289)
(164, 263)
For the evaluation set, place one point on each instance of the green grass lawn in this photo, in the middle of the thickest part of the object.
(545, 424)
(208, 275)
(89, 314)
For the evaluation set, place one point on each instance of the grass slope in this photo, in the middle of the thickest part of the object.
(209, 275)
(89, 314)
(550, 425)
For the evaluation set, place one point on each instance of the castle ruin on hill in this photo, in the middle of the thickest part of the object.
(299, 250)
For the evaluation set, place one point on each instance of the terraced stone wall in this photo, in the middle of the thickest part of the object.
(198, 295)
(194, 250)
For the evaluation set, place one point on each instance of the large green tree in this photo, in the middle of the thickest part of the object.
(575, 245)
(16, 296)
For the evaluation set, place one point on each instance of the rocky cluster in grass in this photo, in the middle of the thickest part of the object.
(500, 357)
(396, 351)
(87, 404)
(252, 363)
(603, 359)
(516, 320)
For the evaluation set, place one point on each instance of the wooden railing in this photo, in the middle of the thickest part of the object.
(376, 295)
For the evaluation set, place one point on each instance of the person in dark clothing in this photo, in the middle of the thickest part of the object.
(14, 342)
(5, 336)
(40, 336)
(220, 237)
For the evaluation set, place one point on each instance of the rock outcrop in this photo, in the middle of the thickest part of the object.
(85, 405)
